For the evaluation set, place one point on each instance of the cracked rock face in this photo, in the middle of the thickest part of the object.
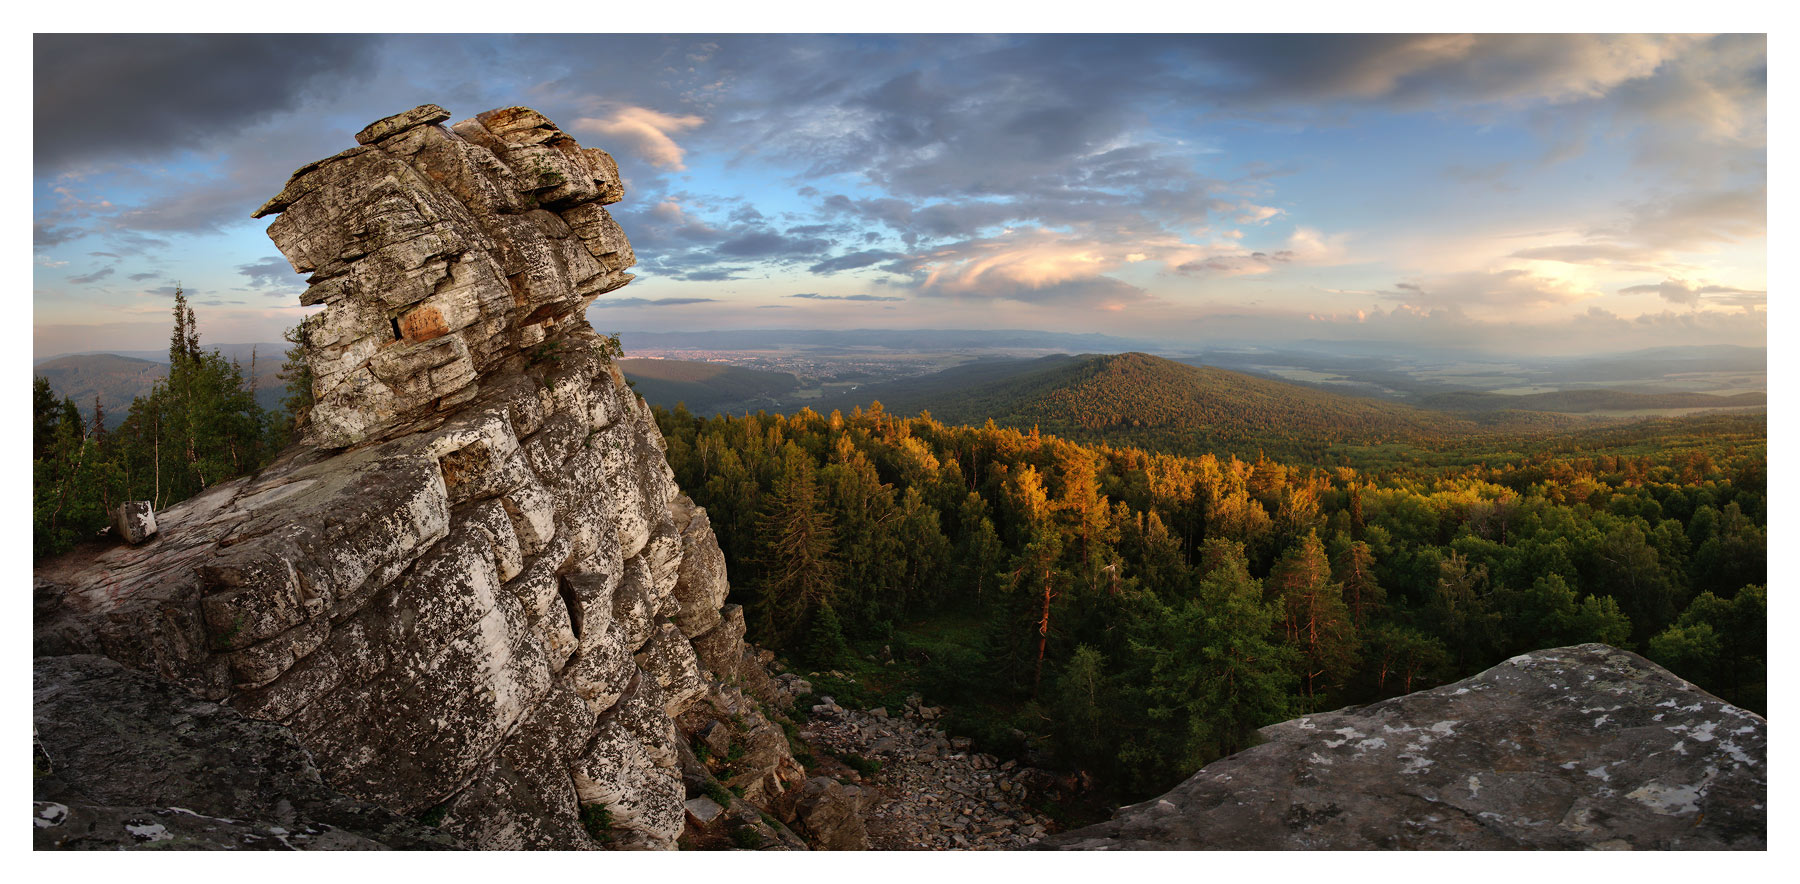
(123, 760)
(1587, 747)
(440, 253)
(473, 592)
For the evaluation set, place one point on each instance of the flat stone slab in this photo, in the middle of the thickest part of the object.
(1587, 747)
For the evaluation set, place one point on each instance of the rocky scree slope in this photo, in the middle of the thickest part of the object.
(473, 592)
(1587, 747)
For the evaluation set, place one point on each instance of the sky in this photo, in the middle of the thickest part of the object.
(1537, 194)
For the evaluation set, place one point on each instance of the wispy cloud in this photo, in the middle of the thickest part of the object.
(650, 132)
(650, 302)
(88, 278)
(815, 296)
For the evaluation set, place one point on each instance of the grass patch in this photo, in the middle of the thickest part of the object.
(717, 792)
(746, 838)
(868, 767)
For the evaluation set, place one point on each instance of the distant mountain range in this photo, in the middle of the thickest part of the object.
(1137, 398)
(119, 378)
(910, 340)
(704, 386)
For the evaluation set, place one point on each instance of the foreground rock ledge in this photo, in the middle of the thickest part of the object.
(1587, 747)
(123, 760)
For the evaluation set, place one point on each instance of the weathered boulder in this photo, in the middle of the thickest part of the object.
(831, 814)
(123, 760)
(1587, 747)
(473, 590)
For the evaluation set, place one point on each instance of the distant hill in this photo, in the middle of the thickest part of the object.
(1586, 401)
(1139, 399)
(923, 339)
(703, 386)
(118, 379)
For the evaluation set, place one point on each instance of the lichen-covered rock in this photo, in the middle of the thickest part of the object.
(1587, 747)
(473, 590)
(123, 760)
(440, 254)
(831, 814)
(134, 521)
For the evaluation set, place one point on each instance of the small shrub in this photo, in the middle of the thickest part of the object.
(746, 838)
(717, 792)
(597, 820)
(866, 766)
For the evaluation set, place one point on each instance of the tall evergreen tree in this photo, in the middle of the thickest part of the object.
(799, 573)
(1314, 619)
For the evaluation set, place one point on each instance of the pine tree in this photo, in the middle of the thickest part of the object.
(799, 566)
(1206, 673)
(1314, 619)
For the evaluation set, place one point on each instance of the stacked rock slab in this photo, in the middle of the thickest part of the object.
(474, 591)
(1586, 747)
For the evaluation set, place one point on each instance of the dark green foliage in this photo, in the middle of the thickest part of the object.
(1721, 645)
(746, 838)
(597, 820)
(868, 767)
(717, 792)
(825, 647)
(1143, 613)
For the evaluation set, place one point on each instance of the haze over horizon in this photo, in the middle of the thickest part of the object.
(1530, 194)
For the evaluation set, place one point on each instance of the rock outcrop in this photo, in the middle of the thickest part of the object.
(473, 592)
(125, 760)
(1586, 747)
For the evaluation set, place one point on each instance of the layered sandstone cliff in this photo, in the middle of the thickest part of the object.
(474, 591)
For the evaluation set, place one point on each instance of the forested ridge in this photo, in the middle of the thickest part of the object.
(1152, 402)
(1140, 613)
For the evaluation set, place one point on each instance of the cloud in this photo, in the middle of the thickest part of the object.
(1652, 236)
(815, 296)
(767, 244)
(1425, 70)
(646, 131)
(1026, 265)
(273, 273)
(1504, 289)
(143, 277)
(1305, 245)
(854, 260)
(1251, 213)
(96, 276)
(651, 302)
(1590, 253)
(1682, 292)
(108, 96)
(44, 236)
